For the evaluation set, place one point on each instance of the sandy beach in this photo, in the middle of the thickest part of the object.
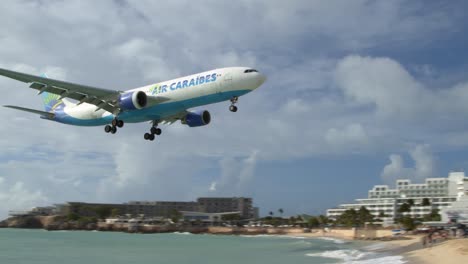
(452, 251)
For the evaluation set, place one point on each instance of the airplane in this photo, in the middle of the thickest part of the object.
(160, 103)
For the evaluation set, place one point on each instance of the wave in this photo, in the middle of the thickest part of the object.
(334, 240)
(182, 233)
(354, 256)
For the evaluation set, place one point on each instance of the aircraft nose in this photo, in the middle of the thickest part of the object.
(261, 78)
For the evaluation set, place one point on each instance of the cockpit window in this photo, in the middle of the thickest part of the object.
(250, 70)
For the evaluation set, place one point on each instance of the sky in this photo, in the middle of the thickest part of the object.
(359, 93)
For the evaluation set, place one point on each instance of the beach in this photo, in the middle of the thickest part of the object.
(451, 251)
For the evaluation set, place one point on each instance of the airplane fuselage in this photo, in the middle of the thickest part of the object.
(182, 93)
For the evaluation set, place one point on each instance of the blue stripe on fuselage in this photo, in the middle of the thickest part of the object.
(156, 112)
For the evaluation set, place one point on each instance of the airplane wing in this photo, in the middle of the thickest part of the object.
(102, 98)
(47, 115)
(170, 119)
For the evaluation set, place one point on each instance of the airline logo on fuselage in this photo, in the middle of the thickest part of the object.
(162, 88)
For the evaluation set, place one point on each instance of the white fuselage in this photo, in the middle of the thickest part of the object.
(170, 97)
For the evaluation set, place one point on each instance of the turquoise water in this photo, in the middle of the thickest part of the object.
(38, 246)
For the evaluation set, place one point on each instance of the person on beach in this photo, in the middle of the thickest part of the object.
(424, 241)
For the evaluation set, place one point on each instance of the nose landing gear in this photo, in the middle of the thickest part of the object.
(232, 107)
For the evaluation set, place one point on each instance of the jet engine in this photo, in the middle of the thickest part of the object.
(133, 100)
(197, 118)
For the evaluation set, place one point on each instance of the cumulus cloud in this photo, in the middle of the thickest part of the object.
(18, 197)
(393, 93)
(236, 175)
(381, 83)
(352, 136)
(424, 166)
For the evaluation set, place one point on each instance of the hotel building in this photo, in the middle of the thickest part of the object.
(383, 202)
(242, 205)
(457, 212)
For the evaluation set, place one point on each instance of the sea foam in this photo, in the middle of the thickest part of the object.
(354, 256)
(334, 240)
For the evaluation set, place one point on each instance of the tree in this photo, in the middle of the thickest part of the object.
(175, 215)
(348, 218)
(432, 216)
(407, 222)
(103, 211)
(353, 218)
(73, 217)
(405, 207)
(323, 220)
(425, 202)
(115, 212)
(410, 202)
(313, 222)
(230, 217)
(364, 216)
(280, 211)
(271, 213)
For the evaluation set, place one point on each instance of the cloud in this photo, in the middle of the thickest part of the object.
(236, 176)
(392, 92)
(18, 197)
(424, 166)
(352, 136)
(381, 83)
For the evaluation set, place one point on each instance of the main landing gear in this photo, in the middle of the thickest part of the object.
(232, 107)
(115, 124)
(154, 130)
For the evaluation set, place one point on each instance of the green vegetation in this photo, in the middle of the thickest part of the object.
(281, 211)
(353, 218)
(432, 216)
(72, 217)
(425, 202)
(230, 217)
(407, 222)
(404, 208)
(115, 212)
(103, 211)
(175, 216)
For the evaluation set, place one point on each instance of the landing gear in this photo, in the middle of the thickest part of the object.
(149, 136)
(117, 122)
(113, 128)
(110, 129)
(232, 107)
(154, 130)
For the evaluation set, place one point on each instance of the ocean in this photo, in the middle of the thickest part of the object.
(23, 246)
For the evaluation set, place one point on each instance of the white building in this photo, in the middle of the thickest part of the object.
(458, 211)
(383, 202)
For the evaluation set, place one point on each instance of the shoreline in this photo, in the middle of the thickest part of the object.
(410, 248)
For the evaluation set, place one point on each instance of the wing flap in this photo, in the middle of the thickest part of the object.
(44, 114)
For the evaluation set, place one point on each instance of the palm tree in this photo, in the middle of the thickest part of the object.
(271, 213)
(281, 211)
